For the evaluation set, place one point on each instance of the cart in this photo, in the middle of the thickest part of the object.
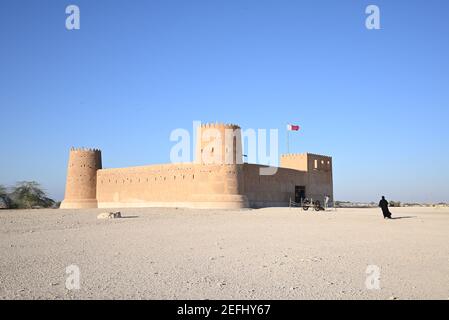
(315, 205)
(306, 204)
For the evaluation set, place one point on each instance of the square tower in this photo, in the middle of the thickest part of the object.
(319, 181)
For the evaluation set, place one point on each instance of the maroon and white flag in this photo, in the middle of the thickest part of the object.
(292, 127)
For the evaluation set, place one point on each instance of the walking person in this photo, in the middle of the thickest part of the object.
(383, 204)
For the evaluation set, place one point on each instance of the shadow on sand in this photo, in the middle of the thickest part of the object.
(406, 217)
(129, 217)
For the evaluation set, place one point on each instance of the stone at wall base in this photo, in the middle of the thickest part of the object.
(109, 215)
(79, 204)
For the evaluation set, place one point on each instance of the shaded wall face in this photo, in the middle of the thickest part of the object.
(314, 172)
(320, 179)
(271, 190)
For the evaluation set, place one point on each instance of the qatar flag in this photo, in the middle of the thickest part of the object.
(292, 127)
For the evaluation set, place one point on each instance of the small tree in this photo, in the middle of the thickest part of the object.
(3, 191)
(5, 200)
(29, 194)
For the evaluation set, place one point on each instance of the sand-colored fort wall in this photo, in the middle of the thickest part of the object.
(172, 185)
(199, 184)
(81, 181)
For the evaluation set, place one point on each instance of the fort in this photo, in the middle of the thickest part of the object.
(198, 184)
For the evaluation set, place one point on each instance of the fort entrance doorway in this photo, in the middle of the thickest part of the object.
(300, 194)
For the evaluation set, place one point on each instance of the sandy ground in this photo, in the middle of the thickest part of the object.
(275, 253)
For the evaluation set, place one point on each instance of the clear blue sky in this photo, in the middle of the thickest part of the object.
(375, 100)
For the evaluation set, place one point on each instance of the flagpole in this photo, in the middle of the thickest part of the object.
(288, 141)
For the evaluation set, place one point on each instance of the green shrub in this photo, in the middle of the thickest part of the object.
(5, 200)
(28, 195)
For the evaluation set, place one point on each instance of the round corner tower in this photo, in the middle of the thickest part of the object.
(219, 151)
(219, 143)
(81, 185)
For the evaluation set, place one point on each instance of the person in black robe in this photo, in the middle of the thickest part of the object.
(383, 204)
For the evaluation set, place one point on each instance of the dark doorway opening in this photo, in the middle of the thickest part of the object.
(300, 193)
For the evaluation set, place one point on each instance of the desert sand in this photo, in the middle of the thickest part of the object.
(274, 253)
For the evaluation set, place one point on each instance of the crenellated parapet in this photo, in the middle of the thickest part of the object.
(220, 125)
(83, 149)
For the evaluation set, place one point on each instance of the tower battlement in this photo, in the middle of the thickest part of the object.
(83, 149)
(220, 125)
